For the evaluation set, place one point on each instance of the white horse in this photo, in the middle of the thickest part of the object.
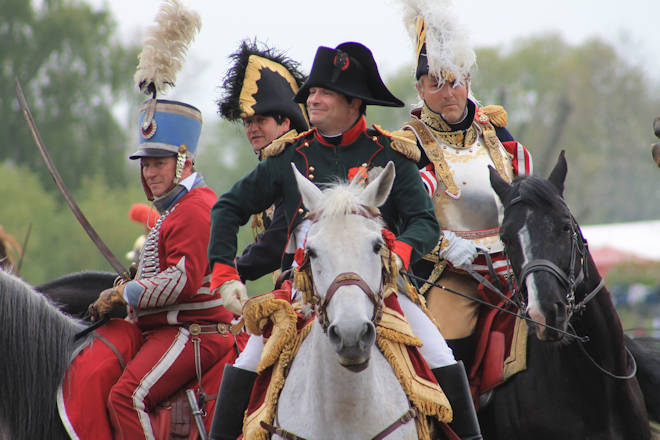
(340, 385)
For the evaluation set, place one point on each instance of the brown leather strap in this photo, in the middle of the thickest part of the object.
(349, 279)
(199, 329)
(279, 431)
(405, 418)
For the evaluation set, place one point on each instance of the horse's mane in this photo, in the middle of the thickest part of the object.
(538, 192)
(341, 198)
(75, 277)
(36, 343)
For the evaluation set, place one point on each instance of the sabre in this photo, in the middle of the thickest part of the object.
(197, 414)
(107, 253)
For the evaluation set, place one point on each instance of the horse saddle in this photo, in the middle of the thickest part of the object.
(82, 397)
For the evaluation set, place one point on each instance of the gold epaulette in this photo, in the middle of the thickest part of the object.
(278, 145)
(403, 141)
(496, 114)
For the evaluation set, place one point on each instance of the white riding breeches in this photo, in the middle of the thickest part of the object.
(251, 354)
(435, 350)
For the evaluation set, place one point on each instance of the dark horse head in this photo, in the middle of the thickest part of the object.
(545, 246)
(583, 386)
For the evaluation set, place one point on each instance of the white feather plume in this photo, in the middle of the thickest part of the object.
(165, 45)
(448, 44)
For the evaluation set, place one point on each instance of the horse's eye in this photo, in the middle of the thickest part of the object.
(377, 246)
(311, 253)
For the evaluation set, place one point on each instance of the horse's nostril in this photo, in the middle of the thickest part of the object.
(334, 337)
(368, 335)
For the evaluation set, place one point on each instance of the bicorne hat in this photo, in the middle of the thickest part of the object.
(174, 128)
(349, 69)
(262, 82)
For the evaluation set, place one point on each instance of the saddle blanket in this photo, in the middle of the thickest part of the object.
(285, 327)
(501, 349)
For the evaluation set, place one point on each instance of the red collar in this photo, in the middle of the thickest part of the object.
(348, 137)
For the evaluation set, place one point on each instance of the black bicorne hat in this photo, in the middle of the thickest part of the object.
(349, 69)
(262, 82)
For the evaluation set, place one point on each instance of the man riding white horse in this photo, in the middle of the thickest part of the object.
(343, 81)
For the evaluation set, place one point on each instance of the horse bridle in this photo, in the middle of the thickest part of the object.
(569, 281)
(344, 278)
(579, 249)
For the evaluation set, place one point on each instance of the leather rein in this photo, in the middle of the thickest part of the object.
(569, 281)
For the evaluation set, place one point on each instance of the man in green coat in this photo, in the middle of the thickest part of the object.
(343, 81)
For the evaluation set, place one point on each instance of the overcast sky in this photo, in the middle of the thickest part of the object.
(631, 25)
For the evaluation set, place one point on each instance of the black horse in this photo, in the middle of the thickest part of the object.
(73, 293)
(571, 389)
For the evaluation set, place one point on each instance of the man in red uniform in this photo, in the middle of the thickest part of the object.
(185, 325)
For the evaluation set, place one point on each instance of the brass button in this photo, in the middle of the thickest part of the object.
(375, 138)
(300, 211)
(364, 165)
(311, 177)
(194, 329)
(306, 144)
(312, 169)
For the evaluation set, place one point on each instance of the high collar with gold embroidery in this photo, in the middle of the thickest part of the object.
(458, 135)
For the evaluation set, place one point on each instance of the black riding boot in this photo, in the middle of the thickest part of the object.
(454, 383)
(463, 349)
(231, 403)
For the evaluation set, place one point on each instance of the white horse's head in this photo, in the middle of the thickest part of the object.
(344, 246)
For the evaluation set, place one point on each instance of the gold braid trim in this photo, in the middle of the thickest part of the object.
(494, 148)
(252, 430)
(497, 115)
(434, 153)
(258, 311)
(278, 145)
(303, 282)
(425, 395)
(402, 141)
(393, 326)
(517, 359)
(444, 133)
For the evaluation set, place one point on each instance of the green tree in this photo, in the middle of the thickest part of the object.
(587, 99)
(73, 73)
(590, 101)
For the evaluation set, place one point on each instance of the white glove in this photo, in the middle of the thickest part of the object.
(234, 295)
(457, 250)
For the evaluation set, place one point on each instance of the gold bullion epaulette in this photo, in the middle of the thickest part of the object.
(278, 145)
(403, 141)
(496, 115)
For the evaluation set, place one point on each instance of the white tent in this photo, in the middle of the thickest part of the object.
(639, 238)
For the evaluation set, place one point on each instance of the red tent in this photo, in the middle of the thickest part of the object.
(607, 256)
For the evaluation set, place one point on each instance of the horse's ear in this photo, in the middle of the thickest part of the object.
(376, 193)
(558, 173)
(311, 194)
(500, 185)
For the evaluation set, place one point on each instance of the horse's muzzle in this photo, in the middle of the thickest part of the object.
(353, 347)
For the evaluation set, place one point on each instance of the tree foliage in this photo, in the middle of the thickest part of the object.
(586, 99)
(73, 74)
(590, 101)
(58, 244)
